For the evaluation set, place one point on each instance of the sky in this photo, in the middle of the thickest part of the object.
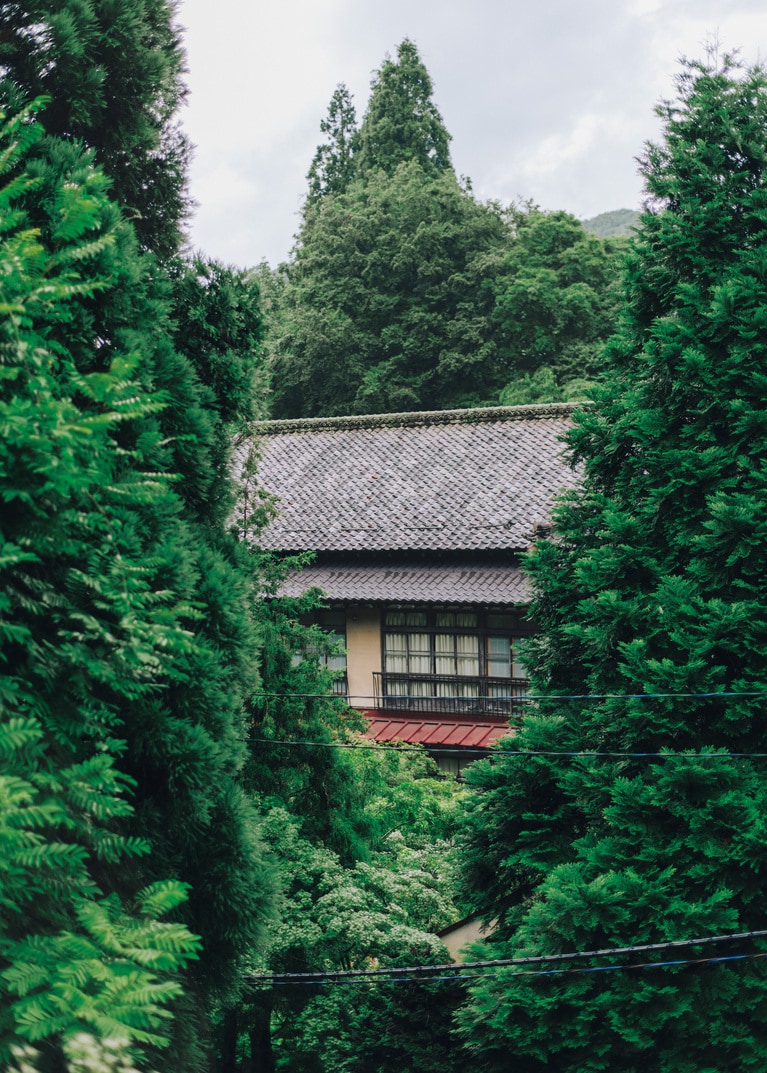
(550, 100)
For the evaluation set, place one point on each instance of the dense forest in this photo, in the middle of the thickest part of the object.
(164, 849)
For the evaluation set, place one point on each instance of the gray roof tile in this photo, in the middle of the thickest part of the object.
(501, 584)
(448, 480)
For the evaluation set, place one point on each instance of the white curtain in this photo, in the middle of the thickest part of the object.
(445, 653)
(419, 653)
(408, 653)
(467, 654)
(396, 653)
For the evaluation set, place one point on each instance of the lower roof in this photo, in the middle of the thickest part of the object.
(439, 730)
(500, 584)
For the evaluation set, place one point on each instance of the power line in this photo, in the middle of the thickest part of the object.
(494, 750)
(522, 698)
(391, 747)
(496, 963)
(536, 973)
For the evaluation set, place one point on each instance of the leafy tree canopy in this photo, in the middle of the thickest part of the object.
(654, 584)
(380, 912)
(405, 293)
(111, 73)
(178, 738)
(557, 296)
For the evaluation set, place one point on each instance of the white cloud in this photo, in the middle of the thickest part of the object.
(558, 150)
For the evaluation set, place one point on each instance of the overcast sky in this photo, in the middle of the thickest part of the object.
(550, 100)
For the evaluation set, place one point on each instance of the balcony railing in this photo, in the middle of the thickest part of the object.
(455, 694)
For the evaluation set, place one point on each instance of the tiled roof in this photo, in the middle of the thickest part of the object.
(485, 583)
(456, 479)
(441, 730)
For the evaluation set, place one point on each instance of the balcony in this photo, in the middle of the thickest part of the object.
(455, 694)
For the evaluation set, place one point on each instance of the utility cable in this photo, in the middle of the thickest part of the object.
(494, 750)
(538, 959)
(522, 698)
(536, 973)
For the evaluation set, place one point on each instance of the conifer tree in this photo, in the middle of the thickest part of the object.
(651, 598)
(332, 168)
(112, 73)
(402, 123)
(387, 304)
(87, 621)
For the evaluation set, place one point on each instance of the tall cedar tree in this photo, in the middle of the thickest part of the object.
(654, 584)
(87, 623)
(404, 293)
(112, 72)
(387, 305)
(402, 124)
(332, 168)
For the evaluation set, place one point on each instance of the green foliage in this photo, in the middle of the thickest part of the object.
(557, 296)
(405, 293)
(332, 168)
(402, 124)
(85, 619)
(316, 785)
(376, 1027)
(382, 911)
(111, 73)
(71, 958)
(181, 738)
(218, 328)
(387, 305)
(654, 583)
(132, 626)
(542, 387)
(128, 612)
(361, 838)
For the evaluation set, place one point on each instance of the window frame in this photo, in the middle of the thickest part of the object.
(336, 633)
(516, 630)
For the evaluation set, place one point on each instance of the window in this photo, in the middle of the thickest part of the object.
(454, 654)
(333, 624)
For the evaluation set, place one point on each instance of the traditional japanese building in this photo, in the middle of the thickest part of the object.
(417, 522)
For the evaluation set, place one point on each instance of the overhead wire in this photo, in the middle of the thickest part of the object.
(495, 750)
(428, 972)
(677, 963)
(436, 973)
(522, 698)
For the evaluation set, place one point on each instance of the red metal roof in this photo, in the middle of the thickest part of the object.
(435, 729)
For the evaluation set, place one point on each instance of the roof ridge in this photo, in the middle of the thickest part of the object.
(412, 419)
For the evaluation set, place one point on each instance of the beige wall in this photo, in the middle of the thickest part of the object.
(363, 653)
(459, 936)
